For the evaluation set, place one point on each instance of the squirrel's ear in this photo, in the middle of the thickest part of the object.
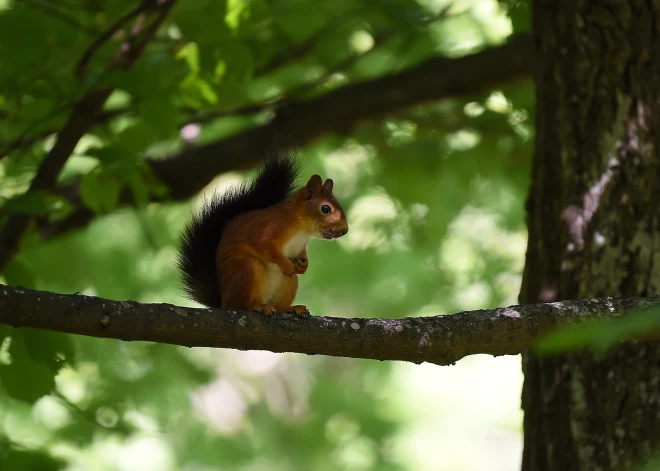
(327, 186)
(314, 186)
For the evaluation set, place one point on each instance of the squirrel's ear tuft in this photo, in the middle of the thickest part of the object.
(314, 186)
(327, 186)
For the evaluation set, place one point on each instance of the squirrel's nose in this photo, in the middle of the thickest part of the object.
(344, 231)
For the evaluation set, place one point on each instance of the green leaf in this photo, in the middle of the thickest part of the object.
(28, 460)
(16, 27)
(238, 63)
(140, 190)
(599, 334)
(36, 202)
(190, 55)
(52, 349)
(132, 140)
(208, 27)
(520, 13)
(35, 109)
(117, 156)
(18, 273)
(100, 191)
(20, 165)
(27, 377)
(236, 11)
(161, 115)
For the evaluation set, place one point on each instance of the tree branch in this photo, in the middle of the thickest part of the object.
(341, 110)
(81, 118)
(441, 340)
(107, 34)
(58, 14)
(337, 112)
(83, 115)
(301, 50)
(290, 95)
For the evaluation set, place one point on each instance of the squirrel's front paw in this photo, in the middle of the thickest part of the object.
(299, 310)
(300, 264)
(289, 270)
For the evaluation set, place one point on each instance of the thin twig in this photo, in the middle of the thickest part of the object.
(140, 36)
(107, 34)
(301, 50)
(63, 17)
(293, 93)
(23, 140)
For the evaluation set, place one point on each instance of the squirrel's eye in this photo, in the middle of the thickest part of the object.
(325, 209)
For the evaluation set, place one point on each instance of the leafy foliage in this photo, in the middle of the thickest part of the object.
(434, 196)
(600, 335)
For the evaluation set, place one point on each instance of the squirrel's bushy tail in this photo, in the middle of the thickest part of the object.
(197, 248)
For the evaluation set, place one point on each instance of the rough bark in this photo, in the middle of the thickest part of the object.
(442, 340)
(593, 227)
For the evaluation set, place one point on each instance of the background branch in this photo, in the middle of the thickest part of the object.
(79, 121)
(441, 340)
(60, 15)
(337, 112)
(340, 111)
(82, 117)
(107, 34)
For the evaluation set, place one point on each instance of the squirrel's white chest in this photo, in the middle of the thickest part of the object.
(296, 243)
(274, 275)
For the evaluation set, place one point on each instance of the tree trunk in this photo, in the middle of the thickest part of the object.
(593, 227)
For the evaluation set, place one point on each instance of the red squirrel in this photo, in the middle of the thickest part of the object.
(245, 248)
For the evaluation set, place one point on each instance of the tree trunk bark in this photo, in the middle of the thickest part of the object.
(593, 214)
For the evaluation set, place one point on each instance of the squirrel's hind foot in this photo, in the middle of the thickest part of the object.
(266, 309)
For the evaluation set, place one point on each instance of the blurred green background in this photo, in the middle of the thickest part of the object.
(435, 199)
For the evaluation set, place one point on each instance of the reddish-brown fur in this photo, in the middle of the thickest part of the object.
(262, 252)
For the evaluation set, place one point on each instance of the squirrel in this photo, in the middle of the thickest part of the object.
(245, 249)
